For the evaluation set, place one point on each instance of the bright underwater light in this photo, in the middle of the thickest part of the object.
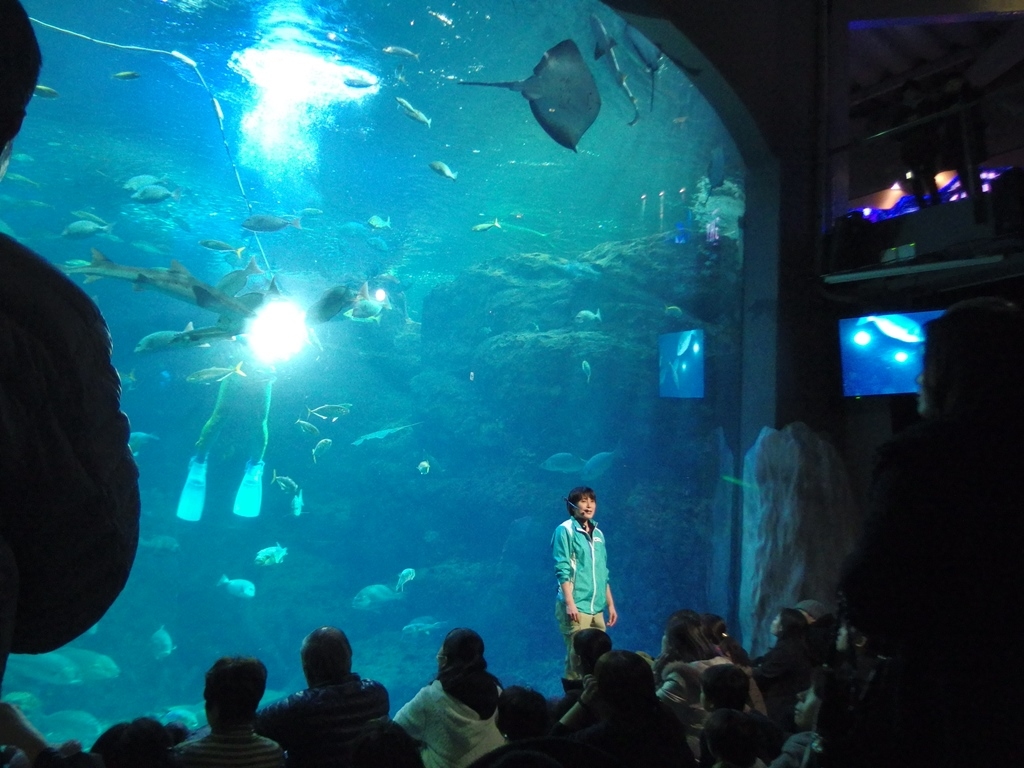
(297, 74)
(862, 338)
(278, 332)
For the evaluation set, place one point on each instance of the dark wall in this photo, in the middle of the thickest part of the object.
(775, 71)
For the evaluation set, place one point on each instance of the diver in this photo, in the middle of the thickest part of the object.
(243, 406)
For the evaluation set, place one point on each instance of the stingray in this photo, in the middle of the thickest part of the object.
(562, 94)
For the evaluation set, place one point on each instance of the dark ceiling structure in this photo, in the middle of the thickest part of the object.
(882, 57)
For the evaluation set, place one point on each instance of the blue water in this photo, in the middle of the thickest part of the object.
(476, 527)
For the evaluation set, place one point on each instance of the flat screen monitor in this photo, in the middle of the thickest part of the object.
(883, 354)
(681, 364)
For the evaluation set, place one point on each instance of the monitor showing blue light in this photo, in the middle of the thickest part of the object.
(883, 354)
(681, 364)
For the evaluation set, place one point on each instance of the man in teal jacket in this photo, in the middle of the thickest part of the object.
(581, 567)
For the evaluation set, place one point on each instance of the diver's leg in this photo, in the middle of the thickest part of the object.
(193, 494)
(249, 497)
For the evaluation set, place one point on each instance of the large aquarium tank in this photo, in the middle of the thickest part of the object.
(373, 324)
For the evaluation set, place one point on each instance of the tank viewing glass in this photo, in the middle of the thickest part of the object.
(484, 274)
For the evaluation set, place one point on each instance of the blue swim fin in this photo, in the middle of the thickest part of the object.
(250, 491)
(193, 495)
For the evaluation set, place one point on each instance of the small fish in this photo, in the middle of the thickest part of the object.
(671, 310)
(400, 74)
(586, 316)
(22, 179)
(309, 429)
(421, 625)
(138, 439)
(159, 340)
(586, 370)
(90, 217)
(208, 375)
(271, 555)
(221, 246)
(563, 462)
(423, 467)
(350, 314)
(128, 74)
(237, 279)
(372, 597)
(331, 412)
(79, 230)
(412, 113)
(91, 665)
(161, 643)
(378, 223)
(485, 226)
(297, 503)
(127, 380)
(598, 464)
(27, 702)
(266, 223)
(155, 193)
(404, 578)
(307, 213)
(361, 80)
(442, 169)
(396, 50)
(135, 183)
(329, 304)
(285, 483)
(238, 587)
(321, 448)
(45, 92)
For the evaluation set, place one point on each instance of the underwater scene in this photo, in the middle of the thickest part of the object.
(374, 320)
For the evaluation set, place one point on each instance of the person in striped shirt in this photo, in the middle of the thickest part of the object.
(234, 687)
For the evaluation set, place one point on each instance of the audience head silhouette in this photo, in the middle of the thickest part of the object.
(326, 656)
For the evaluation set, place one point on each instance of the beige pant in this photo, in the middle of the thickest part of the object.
(569, 628)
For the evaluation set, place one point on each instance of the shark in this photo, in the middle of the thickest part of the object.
(174, 281)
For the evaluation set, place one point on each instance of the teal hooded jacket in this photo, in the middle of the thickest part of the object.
(583, 560)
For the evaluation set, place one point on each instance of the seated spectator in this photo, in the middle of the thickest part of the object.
(821, 630)
(588, 645)
(725, 686)
(633, 725)
(799, 750)
(685, 652)
(786, 669)
(315, 725)
(523, 712)
(716, 633)
(732, 739)
(142, 743)
(234, 687)
(454, 717)
(384, 744)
